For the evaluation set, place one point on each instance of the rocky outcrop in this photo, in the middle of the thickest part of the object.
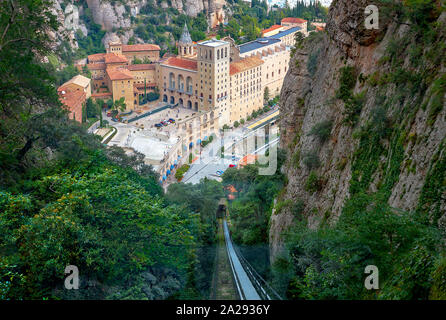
(117, 15)
(309, 98)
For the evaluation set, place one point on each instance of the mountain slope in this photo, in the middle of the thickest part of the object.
(363, 115)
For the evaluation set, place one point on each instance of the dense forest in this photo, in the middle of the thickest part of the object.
(65, 199)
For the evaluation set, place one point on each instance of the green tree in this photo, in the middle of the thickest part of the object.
(119, 105)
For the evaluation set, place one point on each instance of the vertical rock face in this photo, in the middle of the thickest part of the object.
(113, 15)
(309, 97)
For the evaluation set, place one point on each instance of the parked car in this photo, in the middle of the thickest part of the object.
(171, 120)
(219, 172)
(232, 166)
(109, 114)
(114, 120)
(158, 125)
(164, 123)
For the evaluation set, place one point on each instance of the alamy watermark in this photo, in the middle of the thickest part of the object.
(372, 17)
(72, 280)
(372, 280)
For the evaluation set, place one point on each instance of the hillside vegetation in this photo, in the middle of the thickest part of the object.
(366, 159)
(65, 199)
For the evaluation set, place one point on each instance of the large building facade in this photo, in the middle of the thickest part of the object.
(212, 76)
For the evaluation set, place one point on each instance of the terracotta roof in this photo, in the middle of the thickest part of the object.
(119, 74)
(143, 66)
(318, 28)
(73, 99)
(115, 58)
(274, 27)
(140, 47)
(293, 20)
(96, 66)
(80, 80)
(244, 64)
(97, 57)
(181, 63)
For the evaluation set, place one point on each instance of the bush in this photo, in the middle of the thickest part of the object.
(236, 124)
(181, 171)
(298, 208)
(312, 62)
(322, 130)
(347, 83)
(314, 183)
(311, 160)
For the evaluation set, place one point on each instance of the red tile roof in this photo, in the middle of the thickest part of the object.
(143, 66)
(73, 99)
(245, 64)
(140, 47)
(274, 27)
(181, 63)
(96, 66)
(97, 57)
(119, 74)
(293, 20)
(115, 58)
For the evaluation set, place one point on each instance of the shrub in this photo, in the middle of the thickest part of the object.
(312, 62)
(296, 159)
(236, 124)
(298, 208)
(181, 171)
(322, 130)
(353, 108)
(311, 160)
(314, 183)
(347, 83)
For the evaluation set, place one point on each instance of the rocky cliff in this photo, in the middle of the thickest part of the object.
(117, 15)
(363, 111)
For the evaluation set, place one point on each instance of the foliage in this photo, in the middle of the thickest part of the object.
(181, 171)
(322, 130)
(329, 262)
(314, 183)
(201, 199)
(311, 159)
(66, 199)
(312, 62)
(251, 209)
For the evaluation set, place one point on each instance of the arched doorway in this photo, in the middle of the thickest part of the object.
(189, 104)
(172, 100)
(165, 98)
(181, 102)
(196, 106)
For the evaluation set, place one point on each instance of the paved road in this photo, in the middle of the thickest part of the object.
(244, 284)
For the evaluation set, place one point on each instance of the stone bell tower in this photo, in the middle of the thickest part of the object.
(185, 44)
